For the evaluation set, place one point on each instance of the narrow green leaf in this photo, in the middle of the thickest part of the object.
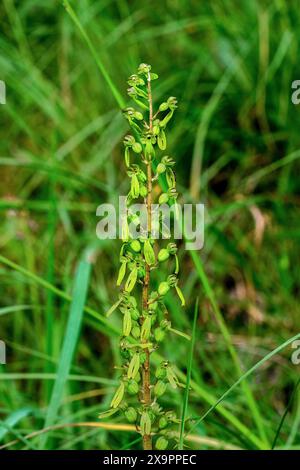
(188, 377)
(101, 320)
(285, 413)
(12, 420)
(252, 403)
(100, 65)
(69, 343)
(244, 377)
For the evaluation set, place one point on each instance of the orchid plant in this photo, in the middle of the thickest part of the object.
(145, 317)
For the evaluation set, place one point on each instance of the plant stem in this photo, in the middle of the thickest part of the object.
(147, 441)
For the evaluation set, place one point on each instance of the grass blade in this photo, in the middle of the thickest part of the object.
(70, 341)
(285, 413)
(244, 376)
(60, 293)
(226, 335)
(118, 97)
(188, 377)
(12, 420)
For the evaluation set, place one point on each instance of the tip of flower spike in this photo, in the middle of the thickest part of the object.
(144, 68)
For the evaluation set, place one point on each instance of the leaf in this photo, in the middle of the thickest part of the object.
(131, 280)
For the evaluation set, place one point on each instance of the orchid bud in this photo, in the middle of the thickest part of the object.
(161, 168)
(135, 246)
(160, 388)
(163, 288)
(143, 191)
(163, 255)
(136, 147)
(139, 117)
(132, 387)
(163, 107)
(163, 422)
(135, 314)
(163, 198)
(159, 334)
(131, 414)
(136, 332)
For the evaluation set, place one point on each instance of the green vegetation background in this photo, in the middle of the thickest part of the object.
(235, 138)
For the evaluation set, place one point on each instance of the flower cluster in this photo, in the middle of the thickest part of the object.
(146, 322)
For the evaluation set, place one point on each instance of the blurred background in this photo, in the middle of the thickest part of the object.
(235, 138)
